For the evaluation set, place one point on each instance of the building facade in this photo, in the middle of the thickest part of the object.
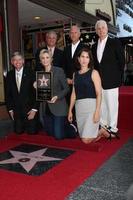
(83, 12)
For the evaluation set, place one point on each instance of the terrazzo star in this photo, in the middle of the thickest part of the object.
(44, 81)
(28, 160)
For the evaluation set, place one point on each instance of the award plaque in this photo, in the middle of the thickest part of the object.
(44, 88)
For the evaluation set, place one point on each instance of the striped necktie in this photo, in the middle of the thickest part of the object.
(18, 81)
(50, 50)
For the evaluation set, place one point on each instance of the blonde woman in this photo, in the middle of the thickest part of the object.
(54, 111)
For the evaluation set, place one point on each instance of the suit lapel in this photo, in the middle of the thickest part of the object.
(23, 80)
(70, 51)
(55, 53)
(14, 80)
(77, 50)
(95, 52)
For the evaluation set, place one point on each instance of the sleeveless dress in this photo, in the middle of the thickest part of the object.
(85, 105)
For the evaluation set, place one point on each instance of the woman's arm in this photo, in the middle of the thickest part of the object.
(72, 103)
(98, 88)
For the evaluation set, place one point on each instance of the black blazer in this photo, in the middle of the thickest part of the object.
(111, 67)
(25, 100)
(69, 62)
(57, 58)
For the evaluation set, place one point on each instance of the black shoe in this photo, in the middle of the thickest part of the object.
(113, 134)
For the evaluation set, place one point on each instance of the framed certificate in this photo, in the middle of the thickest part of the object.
(44, 88)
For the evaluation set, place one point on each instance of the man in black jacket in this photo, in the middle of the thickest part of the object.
(71, 51)
(70, 55)
(57, 54)
(21, 97)
(109, 60)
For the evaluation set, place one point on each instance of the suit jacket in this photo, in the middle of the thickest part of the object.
(25, 100)
(69, 62)
(57, 58)
(60, 89)
(111, 67)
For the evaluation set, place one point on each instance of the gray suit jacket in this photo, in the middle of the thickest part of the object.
(60, 89)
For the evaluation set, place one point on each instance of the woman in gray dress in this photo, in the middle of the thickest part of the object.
(86, 96)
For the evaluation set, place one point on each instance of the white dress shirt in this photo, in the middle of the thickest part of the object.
(74, 46)
(100, 48)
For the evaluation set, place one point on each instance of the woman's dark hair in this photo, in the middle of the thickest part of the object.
(91, 63)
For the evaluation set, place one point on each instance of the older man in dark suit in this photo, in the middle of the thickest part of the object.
(57, 54)
(109, 60)
(21, 97)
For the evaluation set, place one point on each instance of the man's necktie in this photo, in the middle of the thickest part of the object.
(50, 50)
(18, 81)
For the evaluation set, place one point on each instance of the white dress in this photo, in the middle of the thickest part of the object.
(85, 109)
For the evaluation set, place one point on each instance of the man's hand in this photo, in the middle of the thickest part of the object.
(69, 81)
(31, 114)
(11, 114)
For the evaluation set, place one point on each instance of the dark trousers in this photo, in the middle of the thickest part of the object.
(22, 124)
(54, 125)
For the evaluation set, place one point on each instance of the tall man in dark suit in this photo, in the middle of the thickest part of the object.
(109, 60)
(21, 97)
(70, 54)
(57, 54)
(71, 51)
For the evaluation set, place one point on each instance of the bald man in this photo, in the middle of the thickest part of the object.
(71, 51)
(109, 60)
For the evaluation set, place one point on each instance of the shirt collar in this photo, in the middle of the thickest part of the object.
(104, 40)
(76, 44)
(20, 71)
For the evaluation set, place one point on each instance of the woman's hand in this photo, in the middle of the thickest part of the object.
(53, 100)
(35, 84)
(96, 117)
(70, 116)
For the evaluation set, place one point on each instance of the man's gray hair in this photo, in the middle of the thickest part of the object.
(78, 28)
(17, 53)
(51, 33)
(100, 23)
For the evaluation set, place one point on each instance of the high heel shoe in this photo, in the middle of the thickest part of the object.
(109, 134)
(116, 135)
(113, 135)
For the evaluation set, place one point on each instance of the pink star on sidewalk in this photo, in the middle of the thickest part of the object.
(28, 160)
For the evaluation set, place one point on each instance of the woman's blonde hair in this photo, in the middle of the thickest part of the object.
(45, 51)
